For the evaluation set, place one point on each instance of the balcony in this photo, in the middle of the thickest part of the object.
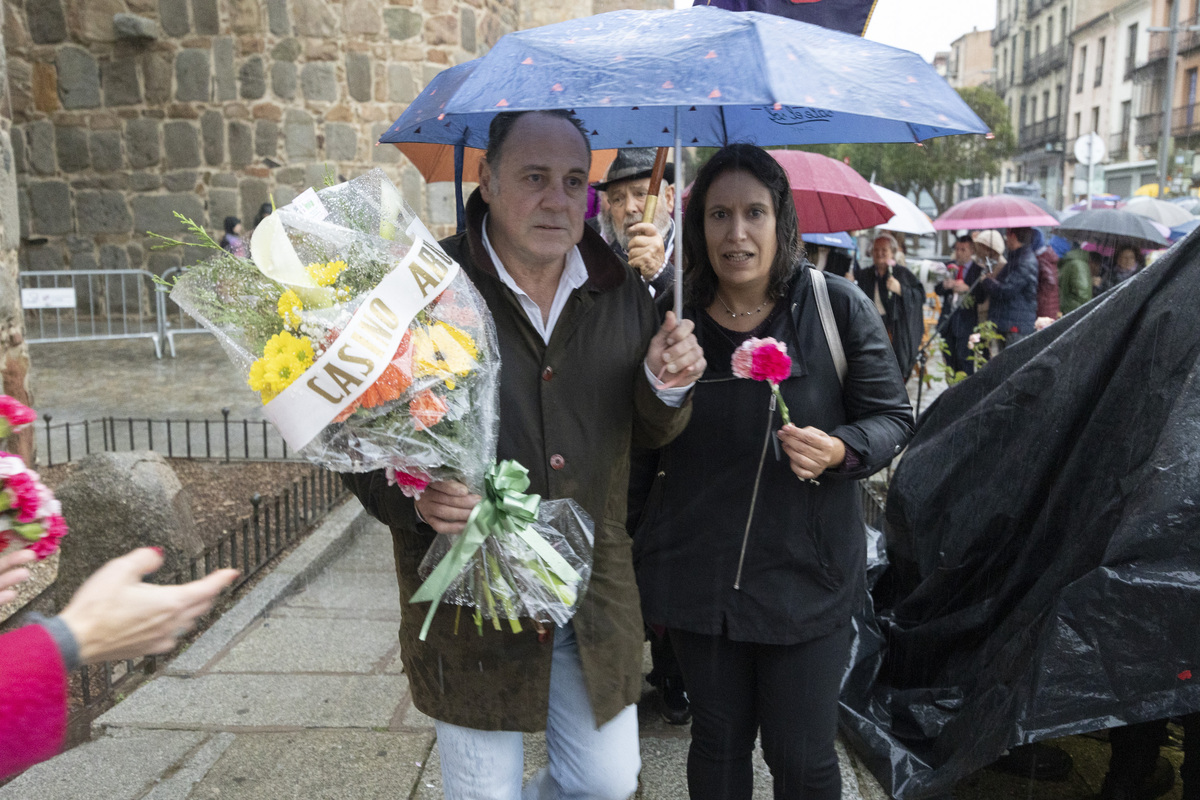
(1045, 62)
(1040, 134)
(1034, 6)
(1149, 129)
(1118, 145)
(1000, 32)
(1185, 120)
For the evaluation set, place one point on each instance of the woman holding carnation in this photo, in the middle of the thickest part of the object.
(751, 555)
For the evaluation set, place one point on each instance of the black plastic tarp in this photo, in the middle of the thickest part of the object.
(1044, 538)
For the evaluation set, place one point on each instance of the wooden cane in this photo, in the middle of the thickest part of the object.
(660, 166)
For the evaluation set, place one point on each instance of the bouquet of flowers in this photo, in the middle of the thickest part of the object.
(370, 349)
(29, 514)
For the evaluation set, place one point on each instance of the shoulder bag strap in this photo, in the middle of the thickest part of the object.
(832, 337)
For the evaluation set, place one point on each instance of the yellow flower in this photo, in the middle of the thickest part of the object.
(282, 370)
(289, 308)
(443, 351)
(302, 350)
(325, 274)
(277, 344)
(257, 379)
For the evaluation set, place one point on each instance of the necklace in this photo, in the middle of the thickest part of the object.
(735, 314)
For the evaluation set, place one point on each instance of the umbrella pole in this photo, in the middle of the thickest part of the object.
(460, 211)
(680, 182)
(656, 176)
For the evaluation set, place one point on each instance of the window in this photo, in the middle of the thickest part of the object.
(1058, 103)
(1082, 68)
(1078, 132)
(1024, 108)
(1033, 109)
(1100, 61)
(1037, 40)
(1063, 37)
(1027, 40)
(1131, 53)
(1126, 126)
(1095, 118)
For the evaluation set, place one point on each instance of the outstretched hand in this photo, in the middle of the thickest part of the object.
(12, 572)
(675, 356)
(115, 615)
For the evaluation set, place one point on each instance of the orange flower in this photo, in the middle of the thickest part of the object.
(427, 409)
(393, 382)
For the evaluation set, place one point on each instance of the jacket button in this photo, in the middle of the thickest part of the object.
(547, 373)
(557, 461)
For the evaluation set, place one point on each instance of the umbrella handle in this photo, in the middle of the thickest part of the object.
(656, 176)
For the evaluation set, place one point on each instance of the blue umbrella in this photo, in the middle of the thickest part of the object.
(733, 77)
(1180, 231)
(697, 76)
(830, 239)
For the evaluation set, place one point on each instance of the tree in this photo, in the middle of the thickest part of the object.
(936, 164)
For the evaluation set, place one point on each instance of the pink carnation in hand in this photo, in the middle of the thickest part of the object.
(762, 360)
(23, 490)
(410, 485)
(55, 529)
(16, 413)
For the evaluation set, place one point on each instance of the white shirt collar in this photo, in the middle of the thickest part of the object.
(574, 275)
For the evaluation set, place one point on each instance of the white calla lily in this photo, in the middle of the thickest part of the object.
(275, 257)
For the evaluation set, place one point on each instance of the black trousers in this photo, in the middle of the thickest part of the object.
(1135, 753)
(789, 692)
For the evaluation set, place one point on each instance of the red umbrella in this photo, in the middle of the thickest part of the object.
(830, 196)
(994, 211)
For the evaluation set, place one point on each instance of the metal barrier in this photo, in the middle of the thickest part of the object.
(87, 305)
(174, 320)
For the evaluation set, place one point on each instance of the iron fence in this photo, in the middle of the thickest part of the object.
(87, 305)
(224, 439)
(273, 524)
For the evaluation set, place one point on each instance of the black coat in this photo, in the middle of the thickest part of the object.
(805, 555)
(905, 318)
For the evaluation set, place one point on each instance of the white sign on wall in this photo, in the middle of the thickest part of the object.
(48, 298)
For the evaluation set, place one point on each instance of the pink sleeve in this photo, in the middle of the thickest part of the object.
(33, 699)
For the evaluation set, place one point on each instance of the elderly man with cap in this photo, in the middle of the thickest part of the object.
(648, 247)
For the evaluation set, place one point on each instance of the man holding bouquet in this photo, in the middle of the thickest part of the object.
(586, 372)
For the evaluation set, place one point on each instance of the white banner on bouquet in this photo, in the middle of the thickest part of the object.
(367, 344)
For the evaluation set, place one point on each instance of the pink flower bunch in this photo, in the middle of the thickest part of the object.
(764, 360)
(410, 485)
(29, 513)
(14, 415)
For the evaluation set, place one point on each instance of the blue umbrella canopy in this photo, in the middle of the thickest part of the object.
(734, 77)
(842, 240)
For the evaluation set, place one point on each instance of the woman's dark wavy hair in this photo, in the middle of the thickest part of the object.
(700, 280)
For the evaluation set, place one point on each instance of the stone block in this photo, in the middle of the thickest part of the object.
(241, 144)
(319, 82)
(290, 176)
(358, 76)
(47, 23)
(402, 23)
(254, 192)
(283, 80)
(160, 262)
(284, 195)
(192, 76)
(311, 645)
(78, 78)
(131, 27)
(43, 83)
(253, 78)
(277, 18)
(144, 181)
(155, 212)
(50, 207)
(142, 141)
(212, 130)
(222, 203)
(174, 17)
(71, 144)
(314, 18)
(182, 181)
(205, 18)
(113, 257)
(181, 143)
(341, 142)
(362, 17)
(299, 135)
(18, 151)
(315, 175)
(93, 21)
(245, 16)
(443, 208)
(119, 80)
(287, 50)
(226, 78)
(44, 258)
(266, 138)
(401, 88)
(468, 29)
(384, 153)
(137, 256)
(442, 30)
(102, 212)
(157, 69)
(105, 147)
(224, 180)
(41, 147)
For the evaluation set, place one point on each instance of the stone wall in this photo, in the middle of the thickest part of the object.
(125, 111)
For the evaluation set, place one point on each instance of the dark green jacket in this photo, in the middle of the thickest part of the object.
(1074, 280)
(578, 402)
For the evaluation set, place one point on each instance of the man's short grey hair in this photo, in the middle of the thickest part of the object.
(502, 125)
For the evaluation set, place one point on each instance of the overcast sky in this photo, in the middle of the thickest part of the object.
(923, 26)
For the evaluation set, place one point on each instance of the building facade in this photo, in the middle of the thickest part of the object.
(1150, 85)
(970, 61)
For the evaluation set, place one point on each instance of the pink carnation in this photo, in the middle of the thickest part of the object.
(410, 485)
(55, 528)
(25, 497)
(17, 414)
(762, 360)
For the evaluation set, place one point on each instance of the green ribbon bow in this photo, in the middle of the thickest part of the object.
(504, 509)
